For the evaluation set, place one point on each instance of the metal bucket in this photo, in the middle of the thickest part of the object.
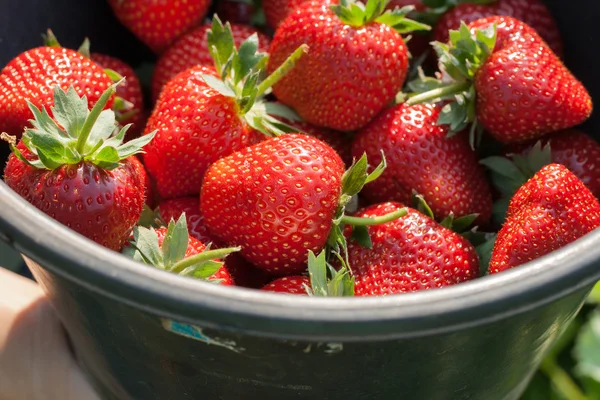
(143, 334)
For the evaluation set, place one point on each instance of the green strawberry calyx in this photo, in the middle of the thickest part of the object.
(242, 76)
(460, 60)
(170, 256)
(511, 172)
(325, 280)
(75, 134)
(459, 224)
(437, 8)
(358, 14)
(353, 181)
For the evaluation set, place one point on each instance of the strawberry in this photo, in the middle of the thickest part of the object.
(245, 274)
(75, 170)
(410, 254)
(318, 283)
(551, 210)
(422, 159)
(357, 61)
(204, 114)
(192, 49)
(130, 109)
(497, 80)
(532, 12)
(278, 200)
(31, 77)
(171, 249)
(158, 23)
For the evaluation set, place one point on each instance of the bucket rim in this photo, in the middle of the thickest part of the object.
(37, 236)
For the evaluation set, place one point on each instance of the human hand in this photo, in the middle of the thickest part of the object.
(35, 360)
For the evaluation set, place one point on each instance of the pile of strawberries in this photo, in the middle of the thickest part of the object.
(316, 147)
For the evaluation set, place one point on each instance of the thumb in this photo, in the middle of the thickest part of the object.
(35, 360)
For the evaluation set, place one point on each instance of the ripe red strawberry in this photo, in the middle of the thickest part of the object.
(278, 199)
(352, 70)
(201, 118)
(505, 90)
(32, 75)
(421, 158)
(289, 285)
(340, 284)
(129, 94)
(78, 172)
(410, 254)
(158, 23)
(245, 274)
(171, 249)
(532, 12)
(174, 208)
(550, 211)
(192, 49)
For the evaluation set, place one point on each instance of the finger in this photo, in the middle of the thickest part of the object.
(35, 361)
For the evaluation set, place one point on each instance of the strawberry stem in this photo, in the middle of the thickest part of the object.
(356, 221)
(282, 71)
(203, 257)
(435, 94)
(86, 129)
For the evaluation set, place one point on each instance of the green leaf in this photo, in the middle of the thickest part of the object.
(84, 49)
(218, 85)
(354, 178)
(134, 146)
(398, 21)
(587, 349)
(51, 150)
(594, 297)
(317, 270)
(249, 92)
(461, 224)
(247, 58)
(204, 270)
(148, 218)
(103, 129)
(146, 242)
(69, 110)
(113, 75)
(43, 122)
(282, 111)
(502, 166)
(421, 205)
(378, 170)
(176, 241)
(361, 235)
(220, 42)
(538, 157)
(107, 158)
(484, 251)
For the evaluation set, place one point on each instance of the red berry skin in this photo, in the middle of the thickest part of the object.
(192, 49)
(32, 75)
(172, 210)
(349, 74)
(339, 141)
(275, 199)
(195, 246)
(244, 273)
(575, 150)
(524, 91)
(551, 210)
(410, 254)
(129, 90)
(158, 23)
(420, 157)
(195, 126)
(532, 12)
(289, 285)
(101, 205)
